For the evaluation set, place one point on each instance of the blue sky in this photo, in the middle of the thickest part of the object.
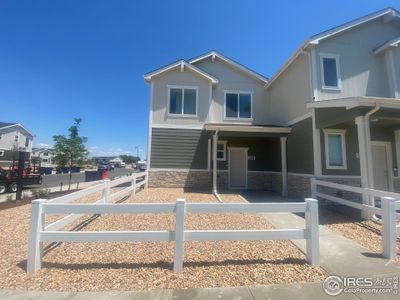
(65, 59)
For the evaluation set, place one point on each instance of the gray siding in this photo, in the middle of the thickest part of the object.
(179, 148)
(289, 93)
(363, 73)
(353, 162)
(300, 148)
(231, 78)
(178, 78)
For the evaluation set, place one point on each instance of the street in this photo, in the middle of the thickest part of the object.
(56, 179)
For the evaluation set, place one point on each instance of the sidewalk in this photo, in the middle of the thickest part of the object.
(305, 291)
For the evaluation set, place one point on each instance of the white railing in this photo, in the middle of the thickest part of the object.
(136, 180)
(390, 202)
(39, 234)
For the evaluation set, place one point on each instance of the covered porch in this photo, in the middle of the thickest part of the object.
(368, 130)
(248, 157)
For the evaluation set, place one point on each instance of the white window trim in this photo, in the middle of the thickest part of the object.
(338, 72)
(2, 152)
(342, 133)
(224, 156)
(182, 115)
(251, 105)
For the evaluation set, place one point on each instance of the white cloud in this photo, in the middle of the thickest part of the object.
(113, 151)
(43, 145)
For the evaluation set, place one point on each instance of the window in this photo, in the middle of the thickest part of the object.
(221, 150)
(45, 153)
(335, 149)
(183, 101)
(238, 105)
(44, 160)
(1, 135)
(27, 142)
(1, 152)
(330, 72)
(16, 138)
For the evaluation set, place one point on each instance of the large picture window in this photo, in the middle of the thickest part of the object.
(335, 149)
(330, 71)
(183, 101)
(238, 105)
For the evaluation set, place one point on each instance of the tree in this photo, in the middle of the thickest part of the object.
(70, 150)
(128, 159)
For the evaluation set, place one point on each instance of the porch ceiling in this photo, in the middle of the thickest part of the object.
(247, 128)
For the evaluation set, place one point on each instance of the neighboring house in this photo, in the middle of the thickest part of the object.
(331, 111)
(44, 157)
(13, 137)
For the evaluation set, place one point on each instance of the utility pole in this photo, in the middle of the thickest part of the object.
(137, 152)
(21, 167)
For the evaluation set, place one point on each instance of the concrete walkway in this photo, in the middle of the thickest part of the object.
(338, 255)
(306, 291)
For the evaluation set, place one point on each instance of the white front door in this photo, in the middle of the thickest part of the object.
(237, 176)
(382, 165)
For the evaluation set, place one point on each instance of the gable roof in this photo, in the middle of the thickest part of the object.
(213, 54)
(182, 64)
(388, 12)
(4, 125)
(390, 44)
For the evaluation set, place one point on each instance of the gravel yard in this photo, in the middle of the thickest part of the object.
(365, 232)
(148, 265)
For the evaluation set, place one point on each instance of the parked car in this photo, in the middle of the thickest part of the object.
(107, 167)
(142, 165)
(9, 178)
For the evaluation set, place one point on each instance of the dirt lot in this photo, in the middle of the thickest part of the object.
(365, 232)
(139, 266)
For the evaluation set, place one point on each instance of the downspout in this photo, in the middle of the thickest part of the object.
(214, 177)
(369, 153)
(368, 146)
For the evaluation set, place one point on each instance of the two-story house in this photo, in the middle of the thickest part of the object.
(332, 111)
(44, 157)
(13, 137)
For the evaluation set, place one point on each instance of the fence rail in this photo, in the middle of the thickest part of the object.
(38, 234)
(105, 187)
(390, 202)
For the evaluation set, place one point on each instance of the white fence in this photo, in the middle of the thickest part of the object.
(39, 234)
(136, 181)
(390, 202)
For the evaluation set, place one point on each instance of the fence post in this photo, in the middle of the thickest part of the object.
(179, 235)
(106, 191)
(146, 177)
(312, 231)
(133, 183)
(389, 232)
(35, 245)
(313, 188)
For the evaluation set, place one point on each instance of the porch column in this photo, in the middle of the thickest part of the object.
(363, 156)
(214, 156)
(284, 166)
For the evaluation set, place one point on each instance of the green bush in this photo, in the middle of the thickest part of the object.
(40, 193)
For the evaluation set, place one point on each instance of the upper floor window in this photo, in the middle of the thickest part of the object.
(1, 152)
(27, 142)
(335, 149)
(330, 72)
(45, 153)
(1, 135)
(182, 101)
(238, 105)
(16, 138)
